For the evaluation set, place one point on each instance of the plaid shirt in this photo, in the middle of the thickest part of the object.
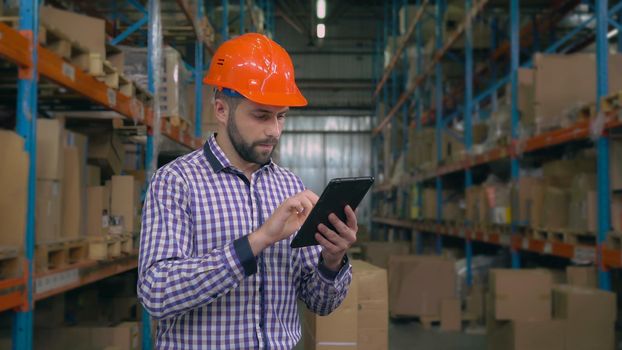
(197, 274)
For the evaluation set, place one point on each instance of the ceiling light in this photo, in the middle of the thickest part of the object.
(321, 30)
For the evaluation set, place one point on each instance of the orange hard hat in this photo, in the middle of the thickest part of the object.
(257, 68)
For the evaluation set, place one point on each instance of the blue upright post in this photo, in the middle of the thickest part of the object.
(405, 74)
(440, 14)
(514, 63)
(224, 30)
(468, 114)
(27, 128)
(394, 122)
(602, 144)
(494, 30)
(242, 16)
(198, 77)
(418, 111)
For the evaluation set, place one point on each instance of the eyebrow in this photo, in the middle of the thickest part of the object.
(267, 111)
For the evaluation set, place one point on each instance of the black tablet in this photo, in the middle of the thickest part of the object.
(336, 196)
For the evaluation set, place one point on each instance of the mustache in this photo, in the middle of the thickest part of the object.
(271, 142)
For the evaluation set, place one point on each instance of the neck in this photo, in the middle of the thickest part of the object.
(225, 144)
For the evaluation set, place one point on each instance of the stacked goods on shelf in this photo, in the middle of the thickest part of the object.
(488, 203)
(73, 223)
(378, 253)
(418, 284)
(174, 82)
(364, 314)
(422, 149)
(106, 151)
(50, 169)
(558, 86)
(13, 201)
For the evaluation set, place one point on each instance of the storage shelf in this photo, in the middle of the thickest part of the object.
(50, 283)
(15, 48)
(612, 258)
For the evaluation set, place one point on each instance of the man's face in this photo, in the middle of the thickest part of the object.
(255, 129)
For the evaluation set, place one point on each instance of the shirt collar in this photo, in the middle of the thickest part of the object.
(217, 158)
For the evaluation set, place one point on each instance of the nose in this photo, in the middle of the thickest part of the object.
(274, 128)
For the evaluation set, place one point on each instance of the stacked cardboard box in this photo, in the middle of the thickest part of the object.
(73, 223)
(489, 203)
(527, 198)
(418, 284)
(378, 253)
(125, 202)
(422, 149)
(106, 150)
(519, 311)
(14, 189)
(582, 276)
(588, 316)
(339, 330)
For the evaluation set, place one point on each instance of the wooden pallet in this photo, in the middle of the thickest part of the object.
(563, 236)
(10, 262)
(431, 321)
(126, 86)
(59, 253)
(142, 95)
(106, 247)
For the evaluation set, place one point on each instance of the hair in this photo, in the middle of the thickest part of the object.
(232, 102)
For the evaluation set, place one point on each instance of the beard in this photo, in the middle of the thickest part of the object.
(249, 151)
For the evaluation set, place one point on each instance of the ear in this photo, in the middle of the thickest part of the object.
(221, 111)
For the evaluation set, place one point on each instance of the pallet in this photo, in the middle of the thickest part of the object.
(10, 262)
(142, 95)
(126, 86)
(109, 75)
(430, 321)
(106, 247)
(59, 253)
(563, 236)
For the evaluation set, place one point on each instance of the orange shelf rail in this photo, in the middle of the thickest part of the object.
(611, 258)
(12, 293)
(15, 48)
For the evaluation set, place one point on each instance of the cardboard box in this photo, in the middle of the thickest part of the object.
(582, 276)
(475, 303)
(526, 96)
(523, 196)
(537, 204)
(566, 169)
(373, 306)
(125, 336)
(452, 211)
(595, 335)
(123, 201)
(89, 32)
(50, 163)
(339, 330)
(479, 133)
(378, 253)
(14, 189)
(94, 176)
(556, 208)
(472, 201)
(521, 295)
(48, 211)
(418, 284)
(429, 204)
(565, 81)
(97, 210)
(72, 204)
(584, 304)
(451, 315)
(616, 212)
(106, 151)
(528, 335)
(582, 207)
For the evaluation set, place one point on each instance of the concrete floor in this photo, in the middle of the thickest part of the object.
(409, 335)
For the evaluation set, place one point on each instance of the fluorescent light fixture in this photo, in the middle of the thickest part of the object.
(320, 9)
(321, 30)
(612, 33)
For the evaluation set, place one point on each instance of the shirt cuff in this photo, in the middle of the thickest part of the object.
(328, 273)
(245, 255)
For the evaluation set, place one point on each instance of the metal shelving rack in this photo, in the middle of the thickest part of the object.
(21, 48)
(604, 15)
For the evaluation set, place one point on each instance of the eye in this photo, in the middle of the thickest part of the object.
(262, 116)
(281, 116)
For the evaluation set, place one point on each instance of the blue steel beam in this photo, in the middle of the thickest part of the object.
(129, 30)
(138, 6)
(22, 331)
(198, 78)
(394, 122)
(418, 111)
(602, 144)
(405, 74)
(514, 64)
(440, 14)
(468, 115)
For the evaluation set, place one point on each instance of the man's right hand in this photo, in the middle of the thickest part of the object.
(286, 219)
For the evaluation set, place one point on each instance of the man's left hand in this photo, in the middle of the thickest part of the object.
(336, 244)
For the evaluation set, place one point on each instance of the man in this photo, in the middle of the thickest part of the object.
(216, 268)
